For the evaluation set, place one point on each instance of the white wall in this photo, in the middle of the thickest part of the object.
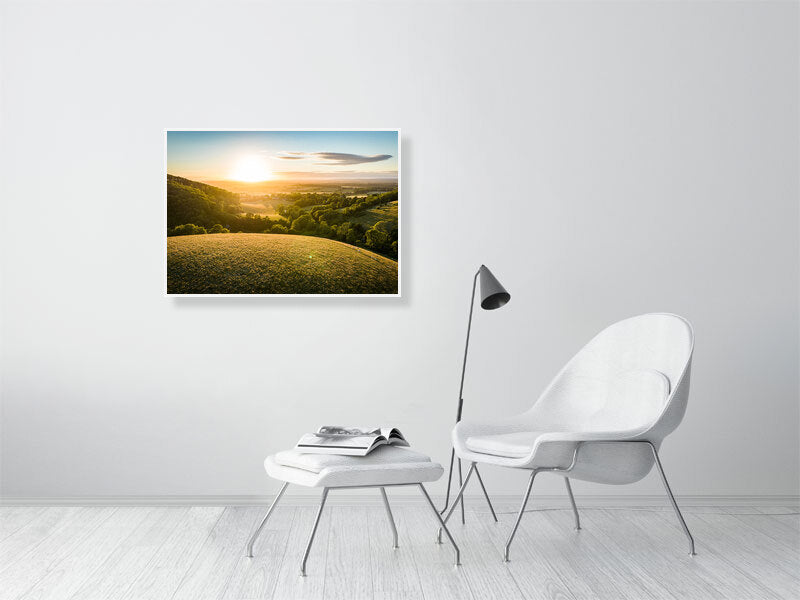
(604, 160)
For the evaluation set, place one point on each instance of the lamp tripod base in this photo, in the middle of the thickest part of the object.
(461, 483)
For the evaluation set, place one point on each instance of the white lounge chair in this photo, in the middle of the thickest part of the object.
(601, 419)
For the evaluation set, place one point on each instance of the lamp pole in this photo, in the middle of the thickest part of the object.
(458, 417)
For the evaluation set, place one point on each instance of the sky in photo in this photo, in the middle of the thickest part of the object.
(253, 156)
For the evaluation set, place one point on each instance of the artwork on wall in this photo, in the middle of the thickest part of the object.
(283, 212)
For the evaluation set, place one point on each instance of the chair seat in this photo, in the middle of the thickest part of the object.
(387, 465)
(507, 445)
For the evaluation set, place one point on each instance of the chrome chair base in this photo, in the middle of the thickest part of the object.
(535, 472)
(572, 501)
(460, 483)
(386, 505)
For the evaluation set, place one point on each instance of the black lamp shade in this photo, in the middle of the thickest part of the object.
(493, 295)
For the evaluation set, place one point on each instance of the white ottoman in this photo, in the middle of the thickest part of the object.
(383, 467)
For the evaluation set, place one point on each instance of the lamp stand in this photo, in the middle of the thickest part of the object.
(458, 418)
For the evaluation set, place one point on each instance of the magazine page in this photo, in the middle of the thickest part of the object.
(341, 430)
(348, 445)
(392, 434)
(356, 442)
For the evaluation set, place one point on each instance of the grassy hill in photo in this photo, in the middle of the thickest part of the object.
(265, 263)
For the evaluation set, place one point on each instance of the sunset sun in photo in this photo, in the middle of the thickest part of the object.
(251, 169)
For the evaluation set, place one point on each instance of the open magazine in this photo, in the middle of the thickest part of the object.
(349, 441)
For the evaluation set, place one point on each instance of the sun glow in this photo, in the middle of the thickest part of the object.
(251, 169)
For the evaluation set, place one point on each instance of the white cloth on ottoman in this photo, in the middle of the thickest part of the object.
(386, 465)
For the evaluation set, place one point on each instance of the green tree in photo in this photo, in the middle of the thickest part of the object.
(304, 224)
(188, 229)
(382, 237)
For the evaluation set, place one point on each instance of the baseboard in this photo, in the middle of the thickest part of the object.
(364, 499)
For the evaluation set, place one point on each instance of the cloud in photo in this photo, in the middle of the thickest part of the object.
(340, 158)
(335, 158)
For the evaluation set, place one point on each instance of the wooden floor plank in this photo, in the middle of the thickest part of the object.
(438, 577)
(23, 574)
(114, 576)
(163, 574)
(615, 553)
(536, 574)
(33, 533)
(66, 577)
(782, 527)
(14, 518)
(658, 550)
(752, 552)
(581, 557)
(588, 552)
(710, 571)
(290, 585)
(487, 575)
(783, 534)
(211, 570)
(394, 573)
(255, 578)
(348, 568)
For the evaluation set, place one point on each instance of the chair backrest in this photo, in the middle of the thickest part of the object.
(632, 375)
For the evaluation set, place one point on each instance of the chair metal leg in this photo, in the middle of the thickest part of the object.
(672, 499)
(461, 482)
(257, 532)
(485, 495)
(519, 516)
(313, 531)
(455, 502)
(574, 507)
(442, 523)
(391, 518)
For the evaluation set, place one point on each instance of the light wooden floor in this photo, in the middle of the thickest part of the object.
(80, 553)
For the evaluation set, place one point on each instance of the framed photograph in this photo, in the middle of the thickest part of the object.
(282, 212)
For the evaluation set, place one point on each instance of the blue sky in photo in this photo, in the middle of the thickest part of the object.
(266, 155)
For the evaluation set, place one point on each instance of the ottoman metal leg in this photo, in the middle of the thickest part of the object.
(442, 523)
(264, 521)
(313, 531)
(391, 518)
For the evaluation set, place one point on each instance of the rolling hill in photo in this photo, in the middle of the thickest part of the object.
(266, 263)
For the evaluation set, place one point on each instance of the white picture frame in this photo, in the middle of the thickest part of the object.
(170, 291)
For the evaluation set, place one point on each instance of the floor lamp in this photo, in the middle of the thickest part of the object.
(493, 295)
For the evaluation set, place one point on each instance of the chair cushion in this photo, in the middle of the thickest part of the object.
(382, 455)
(509, 445)
(633, 399)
